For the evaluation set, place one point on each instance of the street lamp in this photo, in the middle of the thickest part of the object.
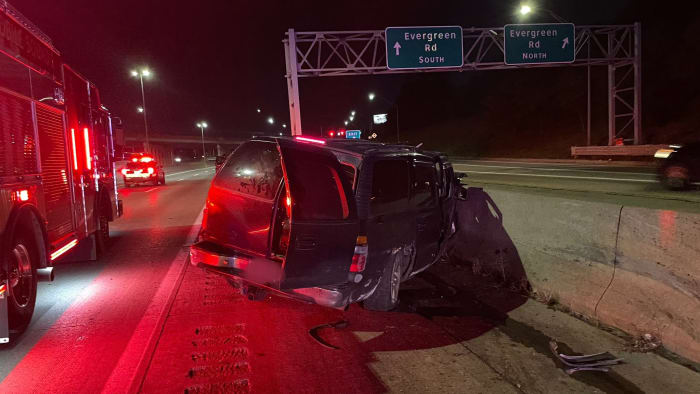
(258, 110)
(346, 122)
(139, 110)
(144, 72)
(372, 96)
(202, 126)
(270, 120)
(527, 9)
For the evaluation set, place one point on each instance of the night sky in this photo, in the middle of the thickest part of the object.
(220, 60)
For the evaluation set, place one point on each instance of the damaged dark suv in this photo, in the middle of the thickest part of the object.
(330, 222)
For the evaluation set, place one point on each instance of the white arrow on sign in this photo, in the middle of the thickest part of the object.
(397, 46)
(566, 42)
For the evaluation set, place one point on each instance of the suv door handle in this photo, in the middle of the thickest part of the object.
(306, 243)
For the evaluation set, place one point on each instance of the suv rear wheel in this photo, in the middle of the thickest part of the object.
(386, 296)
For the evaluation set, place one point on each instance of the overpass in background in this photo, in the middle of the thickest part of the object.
(164, 146)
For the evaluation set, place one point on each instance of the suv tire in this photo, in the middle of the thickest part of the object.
(386, 296)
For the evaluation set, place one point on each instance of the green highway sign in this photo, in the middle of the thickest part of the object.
(353, 134)
(539, 43)
(423, 47)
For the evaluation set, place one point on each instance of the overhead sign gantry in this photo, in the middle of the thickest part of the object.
(368, 52)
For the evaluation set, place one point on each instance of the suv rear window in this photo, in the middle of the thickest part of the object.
(316, 187)
(253, 169)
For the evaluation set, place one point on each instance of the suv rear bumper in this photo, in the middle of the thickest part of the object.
(239, 269)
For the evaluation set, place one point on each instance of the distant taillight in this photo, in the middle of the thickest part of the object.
(124, 171)
(359, 258)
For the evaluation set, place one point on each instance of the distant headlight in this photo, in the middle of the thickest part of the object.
(177, 160)
(663, 153)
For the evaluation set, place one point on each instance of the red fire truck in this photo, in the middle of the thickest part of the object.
(57, 177)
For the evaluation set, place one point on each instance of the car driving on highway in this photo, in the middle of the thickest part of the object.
(330, 222)
(143, 168)
(680, 165)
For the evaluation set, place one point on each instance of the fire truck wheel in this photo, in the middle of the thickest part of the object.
(22, 281)
(102, 231)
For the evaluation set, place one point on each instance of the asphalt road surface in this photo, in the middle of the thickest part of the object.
(142, 319)
(633, 184)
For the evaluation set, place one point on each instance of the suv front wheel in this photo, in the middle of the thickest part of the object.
(386, 296)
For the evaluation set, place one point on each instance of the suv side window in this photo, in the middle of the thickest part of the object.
(390, 187)
(253, 169)
(424, 188)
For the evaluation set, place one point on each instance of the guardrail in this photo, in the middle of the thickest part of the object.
(616, 150)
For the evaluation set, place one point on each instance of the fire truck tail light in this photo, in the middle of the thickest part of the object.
(151, 170)
(22, 195)
(88, 158)
(75, 151)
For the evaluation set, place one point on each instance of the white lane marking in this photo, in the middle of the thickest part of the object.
(590, 178)
(184, 172)
(129, 371)
(554, 169)
(540, 163)
(150, 190)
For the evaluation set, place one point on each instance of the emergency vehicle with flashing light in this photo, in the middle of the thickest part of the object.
(143, 168)
(57, 177)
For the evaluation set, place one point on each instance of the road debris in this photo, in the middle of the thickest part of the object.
(590, 362)
(314, 332)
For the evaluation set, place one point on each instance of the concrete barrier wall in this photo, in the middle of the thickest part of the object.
(633, 268)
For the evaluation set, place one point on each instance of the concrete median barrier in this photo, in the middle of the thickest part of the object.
(656, 288)
(632, 268)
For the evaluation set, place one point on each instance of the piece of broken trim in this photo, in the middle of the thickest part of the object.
(591, 362)
(314, 332)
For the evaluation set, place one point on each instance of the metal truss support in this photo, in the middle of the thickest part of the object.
(292, 83)
(341, 53)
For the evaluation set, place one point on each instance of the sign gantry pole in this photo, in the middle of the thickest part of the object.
(290, 55)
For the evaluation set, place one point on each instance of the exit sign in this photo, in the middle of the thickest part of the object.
(353, 134)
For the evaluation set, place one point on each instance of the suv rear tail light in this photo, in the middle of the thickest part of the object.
(359, 259)
(151, 170)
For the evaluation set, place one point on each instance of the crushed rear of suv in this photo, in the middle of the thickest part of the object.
(326, 221)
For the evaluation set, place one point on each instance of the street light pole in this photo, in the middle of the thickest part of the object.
(140, 74)
(202, 126)
(145, 119)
